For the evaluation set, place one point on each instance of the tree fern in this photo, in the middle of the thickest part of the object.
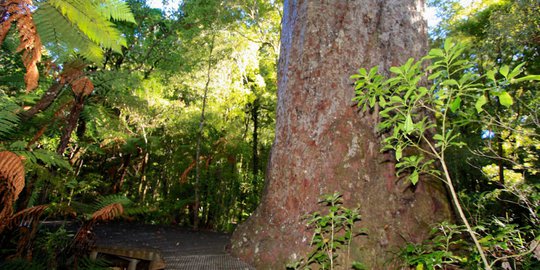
(61, 37)
(89, 21)
(82, 26)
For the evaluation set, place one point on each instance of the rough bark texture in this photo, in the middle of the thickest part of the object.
(45, 101)
(71, 124)
(323, 144)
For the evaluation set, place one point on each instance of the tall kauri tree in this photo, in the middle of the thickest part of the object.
(324, 144)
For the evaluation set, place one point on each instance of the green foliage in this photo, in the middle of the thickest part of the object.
(51, 244)
(134, 137)
(506, 243)
(9, 119)
(82, 26)
(98, 264)
(135, 134)
(426, 122)
(87, 209)
(438, 252)
(48, 158)
(21, 264)
(407, 108)
(332, 232)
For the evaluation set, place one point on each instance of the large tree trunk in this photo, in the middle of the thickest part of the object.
(323, 144)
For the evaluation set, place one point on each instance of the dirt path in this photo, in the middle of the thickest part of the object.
(180, 248)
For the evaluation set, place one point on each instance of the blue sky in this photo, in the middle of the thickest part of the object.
(159, 3)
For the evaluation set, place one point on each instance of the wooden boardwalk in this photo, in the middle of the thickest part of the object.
(182, 249)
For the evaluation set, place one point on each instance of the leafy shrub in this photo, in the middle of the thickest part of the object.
(333, 232)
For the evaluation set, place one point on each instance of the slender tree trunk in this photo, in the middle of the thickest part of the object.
(123, 172)
(143, 185)
(323, 144)
(254, 148)
(500, 154)
(71, 124)
(199, 138)
(45, 101)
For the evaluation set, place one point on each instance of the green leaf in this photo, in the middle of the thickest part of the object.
(396, 99)
(438, 137)
(505, 99)
(382, 102)
(455, 104)
(435, 75)
(399, 152)
(395, 70)
(448, 44)
(408, 127)
(504, 71)
(450, 82)
(479, 103)
(491, 75)
(516, 71)
(362, 72)
(528, 78)
(414, 177)
(436, 52)
(373, 71)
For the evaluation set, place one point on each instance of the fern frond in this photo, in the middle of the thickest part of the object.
(61, 37)
(91, 22)
(37, 188)
(128, 206)
(49, 158)
(103, 201)
(12, 172)
(8, 116)
(11, 184)
(30, 42)
(138, 210)
(116, 10)
(108, 212)
(27, 215)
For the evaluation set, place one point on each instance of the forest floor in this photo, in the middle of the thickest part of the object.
(181, 249)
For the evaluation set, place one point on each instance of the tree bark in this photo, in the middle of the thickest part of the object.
(197, 202)
(323, 144)
(71, 123)
(45, 101)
